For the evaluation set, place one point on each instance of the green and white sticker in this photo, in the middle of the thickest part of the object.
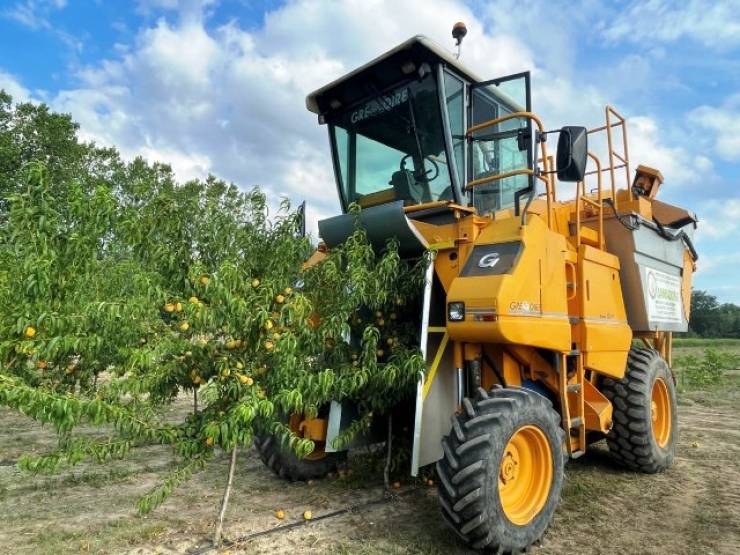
(663, 297)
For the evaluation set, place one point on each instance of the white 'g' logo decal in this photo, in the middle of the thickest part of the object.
(489, 260)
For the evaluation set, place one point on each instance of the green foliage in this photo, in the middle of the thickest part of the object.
(175, 478)
(122, 290)
(707, 370)
(709, 318)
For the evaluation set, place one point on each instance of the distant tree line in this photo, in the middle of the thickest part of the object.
(710, 318)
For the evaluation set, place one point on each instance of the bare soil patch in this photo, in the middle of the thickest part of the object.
(692, 508)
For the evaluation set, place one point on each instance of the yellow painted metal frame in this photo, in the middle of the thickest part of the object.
(437, 359)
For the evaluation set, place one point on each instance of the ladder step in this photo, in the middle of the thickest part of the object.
(574, 353)
(577, 454)
(589, 236)
(576, 422)
(574, 387)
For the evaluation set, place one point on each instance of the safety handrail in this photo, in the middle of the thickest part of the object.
(623, 158)
(582, 200)
(524, 171)
(551, 161)
(489, 178)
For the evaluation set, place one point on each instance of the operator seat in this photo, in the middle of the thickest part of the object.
(408, 188)
(446, 194)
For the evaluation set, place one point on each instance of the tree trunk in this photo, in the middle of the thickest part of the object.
(195, 400)
(387, 469)
(225, 500)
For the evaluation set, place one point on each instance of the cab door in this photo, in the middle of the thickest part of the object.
(505, 147)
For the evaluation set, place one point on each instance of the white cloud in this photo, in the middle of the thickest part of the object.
(196, 7)
(713, 23)
(185, 166)
(719, 220)
(563, 95)
(34, 13)
(676, 163)
(12, 86)
(147, 6)
(719, 257)
(723, 121)
(711, 266)
(37, 15)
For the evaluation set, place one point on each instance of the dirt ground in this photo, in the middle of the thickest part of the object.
(692, 508)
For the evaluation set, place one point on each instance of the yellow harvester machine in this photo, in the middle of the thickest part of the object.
(546, 323)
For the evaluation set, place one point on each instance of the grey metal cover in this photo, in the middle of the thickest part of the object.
(381, 223)
(651, 272)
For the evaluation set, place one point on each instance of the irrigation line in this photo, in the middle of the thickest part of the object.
(289, 526)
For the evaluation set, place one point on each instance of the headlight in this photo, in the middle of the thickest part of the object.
(456, 312)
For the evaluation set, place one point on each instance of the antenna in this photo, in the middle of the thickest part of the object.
(459, 30)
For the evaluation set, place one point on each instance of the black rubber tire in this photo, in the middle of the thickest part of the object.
(469, 471)
(288, 466)
(631, 441)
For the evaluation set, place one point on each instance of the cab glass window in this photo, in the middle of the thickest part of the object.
(391, 147)
(455, 100)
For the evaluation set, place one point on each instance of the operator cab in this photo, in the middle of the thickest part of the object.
(398, 124)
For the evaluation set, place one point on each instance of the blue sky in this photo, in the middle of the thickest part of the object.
(219, 86)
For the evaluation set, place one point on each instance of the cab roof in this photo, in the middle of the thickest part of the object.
(382, 72)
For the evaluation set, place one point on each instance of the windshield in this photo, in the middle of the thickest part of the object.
(392, 147)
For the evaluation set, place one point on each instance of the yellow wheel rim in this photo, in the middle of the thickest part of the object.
(661, 413)
(319, 451)
(525, 475)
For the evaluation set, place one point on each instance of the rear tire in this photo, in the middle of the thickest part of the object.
(288, 466)
(645, 429)
(504, 443)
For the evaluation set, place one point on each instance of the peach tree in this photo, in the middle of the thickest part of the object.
(119, 298)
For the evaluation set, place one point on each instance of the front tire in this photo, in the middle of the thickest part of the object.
(645, 430)
(502, 469)
(288, 466)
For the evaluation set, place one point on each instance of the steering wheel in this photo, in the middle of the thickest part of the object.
(434, 171)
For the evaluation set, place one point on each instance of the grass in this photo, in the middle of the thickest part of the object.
(706, 365)
(100, 539)
(679, 342)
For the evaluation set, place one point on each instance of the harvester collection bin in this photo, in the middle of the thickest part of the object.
(654, 270)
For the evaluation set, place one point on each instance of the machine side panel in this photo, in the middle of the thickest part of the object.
(436, 397)
(605, 332)
(526, 304)
(440, 400)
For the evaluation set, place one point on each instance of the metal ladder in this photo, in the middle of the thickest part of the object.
(586, 235)
(572, 403)
(613, 120)
(617, 161)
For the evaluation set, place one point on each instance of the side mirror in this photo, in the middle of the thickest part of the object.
(572, 153)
